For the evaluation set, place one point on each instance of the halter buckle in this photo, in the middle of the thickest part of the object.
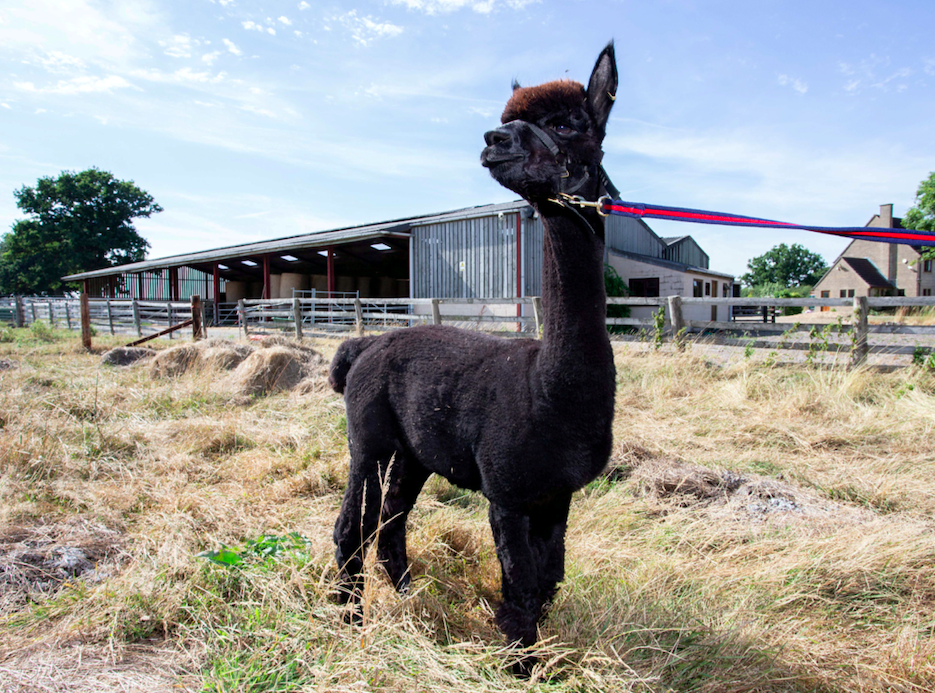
(577, 200)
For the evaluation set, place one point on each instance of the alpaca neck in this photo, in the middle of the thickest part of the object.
(575, 353)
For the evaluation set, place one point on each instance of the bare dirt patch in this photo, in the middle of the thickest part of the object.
(36, 560)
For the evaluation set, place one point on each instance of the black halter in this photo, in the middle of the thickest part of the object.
(604, 179)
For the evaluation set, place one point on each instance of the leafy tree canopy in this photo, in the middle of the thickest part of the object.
(922, 215)
(786, 266)
(77, 222)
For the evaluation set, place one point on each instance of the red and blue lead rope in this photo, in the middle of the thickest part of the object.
(698, 216)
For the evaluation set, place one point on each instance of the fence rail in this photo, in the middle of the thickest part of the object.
(517, 316)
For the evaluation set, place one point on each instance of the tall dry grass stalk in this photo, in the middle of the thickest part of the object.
(758, 529)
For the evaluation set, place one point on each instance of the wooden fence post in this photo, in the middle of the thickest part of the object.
(110, 317)
(436, 312)
(861, 329)
(297, 316)
(169, 314)
(137, 323)
(51, 314)
(197, 321)
(358, 309)
(537, 314)
(18, 317)
(85, 321)
(242, 315)
(32, 306)
(67, 315)
(676, 319)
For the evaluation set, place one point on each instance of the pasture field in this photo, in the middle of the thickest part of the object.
(759, 528)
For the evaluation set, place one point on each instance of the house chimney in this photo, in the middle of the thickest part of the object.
(886, 216)
(886, 221)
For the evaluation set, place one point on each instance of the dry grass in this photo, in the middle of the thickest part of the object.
(758, 529)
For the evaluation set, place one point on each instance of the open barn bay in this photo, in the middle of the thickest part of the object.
(168, 527)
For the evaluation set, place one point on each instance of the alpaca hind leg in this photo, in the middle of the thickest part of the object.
(406, 480)
(547, 539)
(356, 524)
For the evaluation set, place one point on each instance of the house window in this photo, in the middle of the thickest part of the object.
(850, 293)
(826, 294)
(926, 292)
(843, 293)
(714, 289)
(926, 265)
(696, 288)
(726, 290)
(647, 287)
(707, 288)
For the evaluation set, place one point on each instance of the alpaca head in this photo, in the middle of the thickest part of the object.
(550, 140)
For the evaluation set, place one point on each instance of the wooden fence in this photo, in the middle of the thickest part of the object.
(509, 316)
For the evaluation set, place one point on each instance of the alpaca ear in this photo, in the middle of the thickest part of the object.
(602, 88)
(516, 85)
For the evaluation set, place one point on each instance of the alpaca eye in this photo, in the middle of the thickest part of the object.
(562, 129)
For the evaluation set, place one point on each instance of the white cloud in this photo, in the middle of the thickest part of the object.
(40, 111)
(56, 61)
(929, 66)
(226, 3)
(270, 30)
(869, 73)
(433, 7)
(797, 84)
(209, 58)
(179, 46)
(5, 105)
(232, 47)
(304, 5)
(364, 30)
(79, 85)
(286, 21)
(298, 33)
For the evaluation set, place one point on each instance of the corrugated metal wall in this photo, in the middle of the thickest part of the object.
(688, 252)
(629, 235)
(487, 248)
(192, 282)
(467, 258)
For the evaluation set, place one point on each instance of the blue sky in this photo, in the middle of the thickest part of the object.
(254, 120)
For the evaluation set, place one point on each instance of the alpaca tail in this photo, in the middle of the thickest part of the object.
(344, 359)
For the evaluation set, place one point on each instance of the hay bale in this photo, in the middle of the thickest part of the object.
(174, 361)
(225, 356)
(125, 356)
(270, 369)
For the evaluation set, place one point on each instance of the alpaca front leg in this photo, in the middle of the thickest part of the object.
(518, 614)
(547, 538)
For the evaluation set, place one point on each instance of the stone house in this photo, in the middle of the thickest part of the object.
(871, 268)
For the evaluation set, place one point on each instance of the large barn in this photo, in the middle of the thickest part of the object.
(491, 251)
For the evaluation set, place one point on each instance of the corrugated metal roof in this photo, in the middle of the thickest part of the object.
(670, 264)
(398, 228)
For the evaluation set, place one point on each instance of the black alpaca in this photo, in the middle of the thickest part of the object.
(526, 422)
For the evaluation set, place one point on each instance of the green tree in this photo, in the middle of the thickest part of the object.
(615, 286)
(77, 222)
(922, 215)
(785, 265)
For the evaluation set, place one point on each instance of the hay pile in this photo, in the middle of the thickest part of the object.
(125, 356)
(275, 364)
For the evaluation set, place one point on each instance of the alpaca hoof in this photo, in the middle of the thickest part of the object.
(522, 668)
(353, 615)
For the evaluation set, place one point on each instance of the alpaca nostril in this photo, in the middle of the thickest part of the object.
(496, 137)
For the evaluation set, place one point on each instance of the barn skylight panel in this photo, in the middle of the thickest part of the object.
(379, 246)
(289, 258)
(324, 253)
(248, 263)
(220, 266)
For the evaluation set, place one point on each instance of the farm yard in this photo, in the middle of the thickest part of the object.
(166, 525)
